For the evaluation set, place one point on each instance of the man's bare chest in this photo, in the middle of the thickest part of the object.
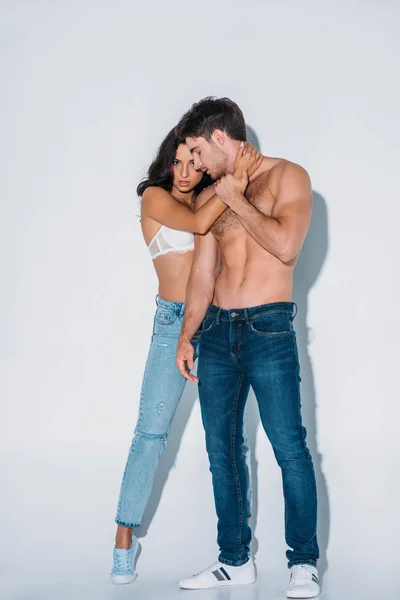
(260, 197)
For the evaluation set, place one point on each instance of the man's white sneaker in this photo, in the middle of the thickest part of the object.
(303, 582)
(221, 575)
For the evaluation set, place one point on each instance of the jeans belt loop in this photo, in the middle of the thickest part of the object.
(246, 316)
(217, 319)
(157, 297)
(295, 308)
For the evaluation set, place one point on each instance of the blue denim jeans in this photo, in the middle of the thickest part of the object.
(256, 347)
(162, 389)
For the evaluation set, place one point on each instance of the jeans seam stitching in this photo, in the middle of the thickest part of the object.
(124, 524)
(239, 493)
(124, 475)
(151, 436)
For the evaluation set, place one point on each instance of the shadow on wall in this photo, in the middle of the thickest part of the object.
(306, 274)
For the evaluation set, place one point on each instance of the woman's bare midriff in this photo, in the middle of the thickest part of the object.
(173, 271)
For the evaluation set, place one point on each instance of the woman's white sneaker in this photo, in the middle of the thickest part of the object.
(123, 570)
(221, 575)
(303, 582)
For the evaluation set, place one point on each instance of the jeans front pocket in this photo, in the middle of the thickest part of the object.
(274, 325)
(207, 324)
(167, 323)
(164, 316)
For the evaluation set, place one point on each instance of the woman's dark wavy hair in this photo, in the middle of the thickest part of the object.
(160, 170)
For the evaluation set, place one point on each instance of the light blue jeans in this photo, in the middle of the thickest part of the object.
(162, 389)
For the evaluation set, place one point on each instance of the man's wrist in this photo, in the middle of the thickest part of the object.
(236, 201)
(184, 339)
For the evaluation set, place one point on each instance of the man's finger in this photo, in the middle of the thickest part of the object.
(180, 363)
(191, 377)
(188, 365)
(240, 151)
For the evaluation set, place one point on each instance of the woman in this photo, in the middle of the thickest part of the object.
(168, 222)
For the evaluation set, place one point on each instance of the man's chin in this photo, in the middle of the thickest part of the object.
(216, 175)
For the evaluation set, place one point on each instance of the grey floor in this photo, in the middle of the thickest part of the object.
(142, 589)
(163, 586)
(57, 536)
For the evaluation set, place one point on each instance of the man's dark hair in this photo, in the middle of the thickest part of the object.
(210, 114)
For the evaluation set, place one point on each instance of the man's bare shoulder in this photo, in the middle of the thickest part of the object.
(204, 196)
(277, 168)
(289, 172)
(278, 173)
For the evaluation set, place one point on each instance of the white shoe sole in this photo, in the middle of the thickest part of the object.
(301, 594)
(217, 584)
(123, 579)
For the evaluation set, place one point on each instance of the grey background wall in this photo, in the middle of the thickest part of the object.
(89, 89)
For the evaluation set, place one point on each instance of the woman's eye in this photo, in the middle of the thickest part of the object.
(176, 162)
(192, 163)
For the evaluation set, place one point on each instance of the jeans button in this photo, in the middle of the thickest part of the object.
(234, 314)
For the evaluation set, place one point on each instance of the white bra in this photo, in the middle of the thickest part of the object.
(170, 240)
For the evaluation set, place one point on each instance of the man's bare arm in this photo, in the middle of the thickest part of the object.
(200, 289)
(283, 233)
(199, 294)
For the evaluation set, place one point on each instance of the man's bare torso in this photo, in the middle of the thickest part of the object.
(249, 274)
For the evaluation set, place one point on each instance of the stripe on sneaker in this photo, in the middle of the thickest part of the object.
(314, 578)
(218, 575)
(225, 573)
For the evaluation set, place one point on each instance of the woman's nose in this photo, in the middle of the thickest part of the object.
(185, 171)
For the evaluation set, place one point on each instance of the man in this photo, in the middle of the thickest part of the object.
(240, 292)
